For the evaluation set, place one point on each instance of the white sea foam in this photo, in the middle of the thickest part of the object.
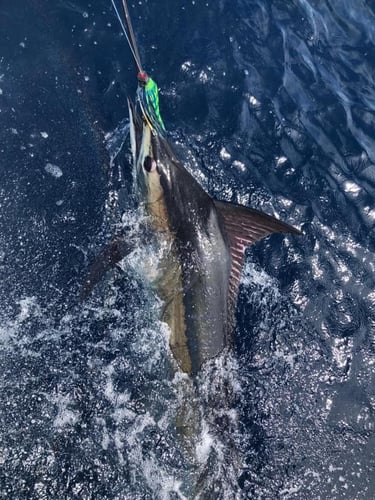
(240, 165)
(352, 187)
(280, 160)
(253, 100)
(253, 275)
(203, 77)
(66, 416)
(224, 155)
(370, 212)
(54, 170)
(204, 445)
(186, 66)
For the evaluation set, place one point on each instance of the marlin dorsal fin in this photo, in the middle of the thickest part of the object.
(244, 226)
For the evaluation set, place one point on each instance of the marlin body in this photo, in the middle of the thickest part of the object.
(195, 271)
(204, 241)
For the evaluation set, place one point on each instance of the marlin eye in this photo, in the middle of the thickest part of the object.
(147, 164)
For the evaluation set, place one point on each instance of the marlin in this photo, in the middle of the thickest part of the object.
(204, 243)
(203, 239)
(207, 239)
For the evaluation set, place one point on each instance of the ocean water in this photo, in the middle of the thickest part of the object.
(270, 104)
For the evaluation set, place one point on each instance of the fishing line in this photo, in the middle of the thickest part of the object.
(132, 48)
(131, 32)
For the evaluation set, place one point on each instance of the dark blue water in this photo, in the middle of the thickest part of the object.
(272, 105)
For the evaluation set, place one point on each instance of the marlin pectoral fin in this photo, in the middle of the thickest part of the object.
(245, 226)
(113, 253)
